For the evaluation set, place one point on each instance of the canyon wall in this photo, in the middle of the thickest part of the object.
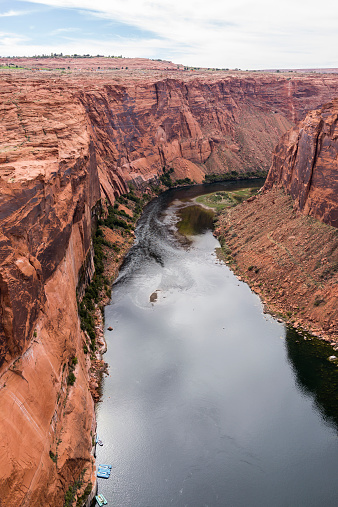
(305, 163)
(195, 125)
(65, 143)
(49, 188)
(284, 242)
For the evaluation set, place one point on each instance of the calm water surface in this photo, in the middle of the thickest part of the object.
(209, 402)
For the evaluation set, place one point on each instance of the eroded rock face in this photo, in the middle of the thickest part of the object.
(288, 258)
(66, 141)
(195, 125)
(49, 187)
(305, 163)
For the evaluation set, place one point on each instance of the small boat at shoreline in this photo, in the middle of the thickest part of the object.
(104, 471)
(102, 499)
(99, 501)
(98, 441)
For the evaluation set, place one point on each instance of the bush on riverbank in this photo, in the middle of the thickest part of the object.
(100, 283)
(165, 178)
(234, 175)
(92, 292)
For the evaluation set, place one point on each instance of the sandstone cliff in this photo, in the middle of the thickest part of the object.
(305, 163)
(195, 125)
(49, 187)
(286, 246)
(66, 142)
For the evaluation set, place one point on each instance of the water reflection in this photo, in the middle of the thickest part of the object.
(194, 220)
(201, 406)
(315, 374)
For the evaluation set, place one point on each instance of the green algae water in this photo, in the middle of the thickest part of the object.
(209, 401)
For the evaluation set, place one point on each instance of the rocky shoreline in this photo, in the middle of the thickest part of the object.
(259, 279)
(115, 245)
(288, 259)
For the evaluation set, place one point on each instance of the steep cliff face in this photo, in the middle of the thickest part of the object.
(49, 186)
(194, 125)
(288, 256)
(305, 163)
(66, 142)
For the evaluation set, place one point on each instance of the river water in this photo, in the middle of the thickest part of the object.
(209, 401)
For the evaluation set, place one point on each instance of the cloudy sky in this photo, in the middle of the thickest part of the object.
(245, 34)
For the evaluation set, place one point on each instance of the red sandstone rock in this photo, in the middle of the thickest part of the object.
(90, 64)
(49, 186)
(305, 163)
(60, 137)
(284, 250)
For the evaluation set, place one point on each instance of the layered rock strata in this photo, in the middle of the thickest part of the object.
(195, 126)
(49, 188)
(66, 143)
(284, 242)
(305, 164)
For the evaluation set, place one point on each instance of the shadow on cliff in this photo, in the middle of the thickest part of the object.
(315, 374)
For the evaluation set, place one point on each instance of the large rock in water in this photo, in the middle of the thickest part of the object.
(305, 163)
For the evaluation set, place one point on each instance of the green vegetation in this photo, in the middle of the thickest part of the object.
(226, 199)
(82, 499)
(71, 379)
(165, 179)
(184, 181)
(72, 491)
(224, 253)
(91, 296)
(319, 301)
(329, 270)
(11, 67)
(116, 219)
(53, 457)
(235, 175)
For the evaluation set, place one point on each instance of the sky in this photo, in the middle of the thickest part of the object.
(244, 34)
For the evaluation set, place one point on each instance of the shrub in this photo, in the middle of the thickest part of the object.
(71, 379)
(53, 456)
(82, 499)
(184, 181)
(166, 180)
(234, 175)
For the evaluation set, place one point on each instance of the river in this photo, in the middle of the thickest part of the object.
(209, 401)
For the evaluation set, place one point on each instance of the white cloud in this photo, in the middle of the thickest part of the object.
(12, 13)
(11, 40)
(59, 31)
(223, 33)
